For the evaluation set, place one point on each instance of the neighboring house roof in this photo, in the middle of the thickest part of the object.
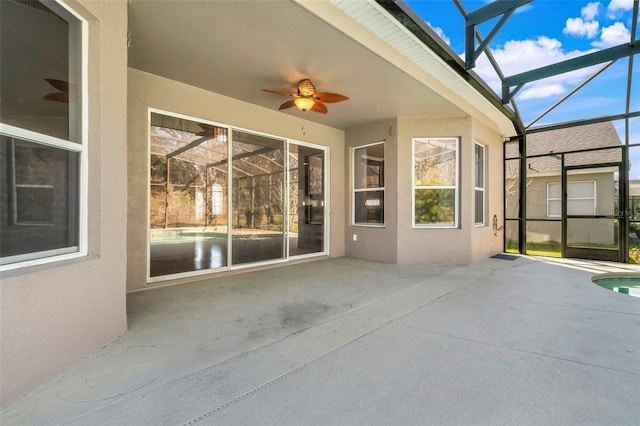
(554, 142)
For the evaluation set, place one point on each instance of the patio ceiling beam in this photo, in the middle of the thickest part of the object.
(582, 122)
(558, 68)
(575, 89)
(492, 60)
(632, 41)
(505, 8)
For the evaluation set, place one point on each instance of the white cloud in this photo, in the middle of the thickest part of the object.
(516, 57)
(618, 6)
(578, 27)
(613, 35)
(440, 33)
(590, 11)
(542, 90)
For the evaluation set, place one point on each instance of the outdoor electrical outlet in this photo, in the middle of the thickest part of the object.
(355, 237)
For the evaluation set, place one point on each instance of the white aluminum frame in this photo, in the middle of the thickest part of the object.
(594, 198)
(354, 190)
(229, 266)
(456, 188)
(484, 184)
(67, 13)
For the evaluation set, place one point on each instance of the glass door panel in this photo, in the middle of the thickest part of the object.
(306, 195)
(187, 193)
(258, 198)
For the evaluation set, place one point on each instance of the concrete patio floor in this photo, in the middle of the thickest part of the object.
(343, 342)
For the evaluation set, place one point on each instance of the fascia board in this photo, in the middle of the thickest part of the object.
(370, 25)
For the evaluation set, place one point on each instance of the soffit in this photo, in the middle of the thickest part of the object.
(236, 48)
(382, 33)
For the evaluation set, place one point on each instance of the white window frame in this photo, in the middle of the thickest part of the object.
(380, 188)
(484, 184)
(549, 199)
(80, 146)
(455, 187)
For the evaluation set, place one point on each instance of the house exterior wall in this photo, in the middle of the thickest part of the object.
(596, 231)
(487, 241)
(442, 246)
(54, 314)
(151, 91)
(398, 241)
(377, 243)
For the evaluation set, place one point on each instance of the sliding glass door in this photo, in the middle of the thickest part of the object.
(187, 193)
(258, 198)
(306, 200)
(222, 197)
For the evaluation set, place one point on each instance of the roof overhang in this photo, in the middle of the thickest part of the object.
(237, 48)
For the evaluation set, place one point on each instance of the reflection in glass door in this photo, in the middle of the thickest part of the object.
(257, 221)
(187, 190)
(306, 200)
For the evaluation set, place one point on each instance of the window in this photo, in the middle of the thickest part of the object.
(217, 196)
(581, 198)
(368, 185)
(42, 142)
(479, 185)
(435, 182)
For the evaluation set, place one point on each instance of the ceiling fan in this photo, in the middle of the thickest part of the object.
(62, 95)
(307, 99)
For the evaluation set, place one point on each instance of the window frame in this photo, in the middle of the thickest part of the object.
(476, 188)
(80, 30)
(549, 199)
(456, 187)
(354, 190)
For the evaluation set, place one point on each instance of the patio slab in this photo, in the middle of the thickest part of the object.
(344, 341)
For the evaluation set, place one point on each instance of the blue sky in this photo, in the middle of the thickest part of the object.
(549, 31)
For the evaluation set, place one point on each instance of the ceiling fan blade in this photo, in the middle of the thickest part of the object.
(319, 107)
(61, 85)
(306, 87)
(57, 97)
(330, 97)
(277, 92)
(287, 104)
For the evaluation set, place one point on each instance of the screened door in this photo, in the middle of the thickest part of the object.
(591, 221)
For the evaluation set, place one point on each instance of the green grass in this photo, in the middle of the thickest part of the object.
(551, 249)
(554, 249)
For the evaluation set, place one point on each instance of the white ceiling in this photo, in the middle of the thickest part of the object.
(236, 48)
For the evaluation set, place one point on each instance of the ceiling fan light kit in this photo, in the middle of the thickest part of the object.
(304, 104)
(307, 99)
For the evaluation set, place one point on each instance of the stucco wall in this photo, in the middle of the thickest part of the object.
(485, 240)
(374, 243)
(57, 313)
(442, 246)
(151, 91)
(596, 231)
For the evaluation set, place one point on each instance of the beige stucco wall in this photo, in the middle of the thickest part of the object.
(485, 240)
(596, 231)
(374, 242)
(55, 314)
(151, 91)
(442, 246)
(398, 241)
